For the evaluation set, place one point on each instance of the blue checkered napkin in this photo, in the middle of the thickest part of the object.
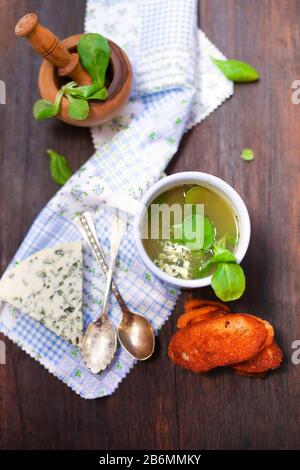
(131, 161)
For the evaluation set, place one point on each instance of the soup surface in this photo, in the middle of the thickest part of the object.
(174, 256)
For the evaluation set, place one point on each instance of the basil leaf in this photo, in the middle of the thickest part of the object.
(101, 94)
(43, 109)
(237, 71)
(221, 243)
(83, 91)
(209, 234)
(78, 108)
(205, 269)
(247, 155)
(94, 53)
(88, 92)
(187, 229)
(222, 255)
(226, 240)
(59, 167)
(228, 281)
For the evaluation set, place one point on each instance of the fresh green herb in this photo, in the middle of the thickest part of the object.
(225, 242)
(185, 232)
(44, 109)
(228, 281)
(94, 53)
(101, 94)
(83, 91)
(88, 92)
(78, 108)
(59, 167)
(204, 269)
(222, 255)
(209, 234)
(237, 71)
(247, 155)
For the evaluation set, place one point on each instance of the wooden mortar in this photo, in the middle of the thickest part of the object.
(62, 61)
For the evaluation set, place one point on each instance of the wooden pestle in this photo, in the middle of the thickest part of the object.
(46, 44)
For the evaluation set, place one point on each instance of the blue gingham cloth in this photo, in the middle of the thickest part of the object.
(167, 52)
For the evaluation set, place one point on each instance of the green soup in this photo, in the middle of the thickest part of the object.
(174, 256)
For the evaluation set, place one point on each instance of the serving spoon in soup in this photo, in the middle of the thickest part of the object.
(134, 331)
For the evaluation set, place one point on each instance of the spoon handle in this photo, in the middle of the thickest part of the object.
(87, 229)
(117, 232)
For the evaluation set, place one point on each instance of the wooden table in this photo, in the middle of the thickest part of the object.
(159, 406)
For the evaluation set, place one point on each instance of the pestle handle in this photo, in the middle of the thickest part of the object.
(46, 44)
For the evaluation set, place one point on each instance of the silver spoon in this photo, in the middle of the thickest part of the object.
(134, 331)
(99, 342)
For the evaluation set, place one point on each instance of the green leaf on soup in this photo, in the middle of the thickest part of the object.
(209, 234)
(194, 194)
(228, 281)
(221, 243)
(222, 255)
(225, 242)
(204, 269)
(185, 232)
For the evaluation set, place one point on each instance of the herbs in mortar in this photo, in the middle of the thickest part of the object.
(94, 53)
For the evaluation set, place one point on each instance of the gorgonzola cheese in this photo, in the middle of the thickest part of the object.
(48, 287)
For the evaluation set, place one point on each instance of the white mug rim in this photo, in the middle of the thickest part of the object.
(196, 177)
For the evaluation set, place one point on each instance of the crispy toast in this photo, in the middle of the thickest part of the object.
(217, 341)
(268, 358)
(197, 314)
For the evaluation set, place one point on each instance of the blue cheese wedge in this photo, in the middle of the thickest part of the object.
(48, 287)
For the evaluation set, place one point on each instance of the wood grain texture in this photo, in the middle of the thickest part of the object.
(158, 406)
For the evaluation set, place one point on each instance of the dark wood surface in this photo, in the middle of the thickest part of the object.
(158, 406)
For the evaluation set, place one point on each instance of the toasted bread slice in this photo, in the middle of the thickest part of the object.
(269, 328)
(217, 341)
(198, 314)
(270, 334)
(197, 303)
(194, 316)
(214, 314)
(268, 358)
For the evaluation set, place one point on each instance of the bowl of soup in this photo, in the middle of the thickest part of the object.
(179, 221)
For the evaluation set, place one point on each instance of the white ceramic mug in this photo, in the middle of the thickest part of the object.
(137, 209)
